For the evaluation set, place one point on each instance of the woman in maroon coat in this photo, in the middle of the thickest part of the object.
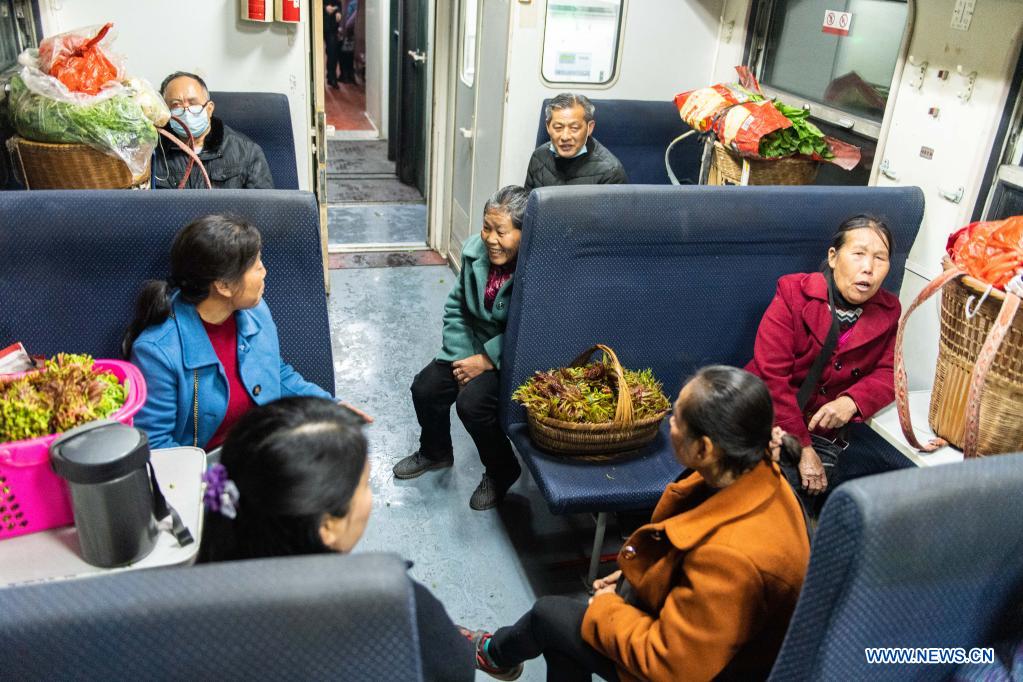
(855, 379)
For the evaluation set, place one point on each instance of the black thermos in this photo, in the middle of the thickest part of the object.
(106, 466)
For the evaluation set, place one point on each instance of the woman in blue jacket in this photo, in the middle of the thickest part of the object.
(204, 338)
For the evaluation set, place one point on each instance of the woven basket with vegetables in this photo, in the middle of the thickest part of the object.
(593, 411)
(758, 141)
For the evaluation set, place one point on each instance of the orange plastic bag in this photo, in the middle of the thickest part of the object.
(990, 251)
(79, 61)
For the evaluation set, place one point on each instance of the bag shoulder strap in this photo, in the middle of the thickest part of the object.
(813, 377)
(162, 510)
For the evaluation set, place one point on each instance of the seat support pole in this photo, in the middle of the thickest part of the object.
(598, 545)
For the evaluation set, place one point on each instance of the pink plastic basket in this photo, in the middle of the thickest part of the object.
(32, 497)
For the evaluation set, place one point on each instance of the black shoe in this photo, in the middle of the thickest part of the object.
(418, 464)
(492, 489)
(332, 84)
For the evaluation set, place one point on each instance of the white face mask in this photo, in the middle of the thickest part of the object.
(197, 124)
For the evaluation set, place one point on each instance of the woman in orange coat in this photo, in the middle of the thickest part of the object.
(707, 588)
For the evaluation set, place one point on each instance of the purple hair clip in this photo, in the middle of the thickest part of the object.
(221, 494)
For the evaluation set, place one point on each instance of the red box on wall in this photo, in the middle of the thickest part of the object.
(288, 11)
(256, 10)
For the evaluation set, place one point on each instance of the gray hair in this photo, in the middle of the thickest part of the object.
(510, 200)
(567, 100)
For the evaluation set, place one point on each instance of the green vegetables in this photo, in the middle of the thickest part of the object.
(586, 395)
(802, 138)
(67, 393)
(116, 123)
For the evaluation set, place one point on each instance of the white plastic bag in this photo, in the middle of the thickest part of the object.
(41, 108)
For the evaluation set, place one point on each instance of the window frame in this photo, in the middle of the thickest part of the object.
(616, 61)
(1009, 167)
(31, 19)
(461, 43)
(759, 31)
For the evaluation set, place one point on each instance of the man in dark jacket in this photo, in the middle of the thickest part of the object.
(573, 156)
(232, 160)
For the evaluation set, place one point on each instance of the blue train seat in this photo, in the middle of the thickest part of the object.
(672, 278)
(73, 262)
(926, 557)
(265, 118)
(638, 132)
(324, 617)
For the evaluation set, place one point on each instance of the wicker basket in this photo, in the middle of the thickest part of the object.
(619, 439)
(44, 165)
(726, 169)
(1001, 405)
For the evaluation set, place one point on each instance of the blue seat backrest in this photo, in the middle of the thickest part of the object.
(73, 261)
(299, 618)
(637, 132)
(926, 557)
(672, 278)
(265, 118)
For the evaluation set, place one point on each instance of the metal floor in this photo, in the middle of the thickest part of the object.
(486, 567)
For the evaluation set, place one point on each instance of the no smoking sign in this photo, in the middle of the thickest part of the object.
(837, 23)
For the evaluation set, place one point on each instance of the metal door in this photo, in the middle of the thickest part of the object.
(478, 114)
(413, 41)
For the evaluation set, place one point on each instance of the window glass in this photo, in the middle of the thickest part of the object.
(8, 36)
(851, 72)
(470, 8)
(580, 43)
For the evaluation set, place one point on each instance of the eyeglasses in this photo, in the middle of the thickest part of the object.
(192, 108)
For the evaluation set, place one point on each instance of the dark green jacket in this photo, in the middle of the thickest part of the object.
(597, 166)
(469, 328)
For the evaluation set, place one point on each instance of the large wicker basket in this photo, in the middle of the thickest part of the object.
(44, 165)
(1001, 404)
(619, 439)
(726, 168)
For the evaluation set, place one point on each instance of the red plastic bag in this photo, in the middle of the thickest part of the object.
(990, 251)
(78, 61)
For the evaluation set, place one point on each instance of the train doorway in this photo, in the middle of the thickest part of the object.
(372, 161)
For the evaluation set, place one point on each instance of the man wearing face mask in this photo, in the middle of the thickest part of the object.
(232, 160)
(573, 156)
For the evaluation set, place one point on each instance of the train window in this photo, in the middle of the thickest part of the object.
(580, 42)
(1005, 196)
(17, 30)
(843, 60)
(469, 11)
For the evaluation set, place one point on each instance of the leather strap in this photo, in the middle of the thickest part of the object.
(193, 160)
(901, 383)
(985, 358)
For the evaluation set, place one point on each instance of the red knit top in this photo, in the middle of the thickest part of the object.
(224, 338)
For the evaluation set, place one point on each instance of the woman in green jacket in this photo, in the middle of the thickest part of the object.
(466, 372)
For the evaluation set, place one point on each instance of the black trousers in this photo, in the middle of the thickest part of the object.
(435, 389)
(446, 654)
(330, 43)
(551, 628)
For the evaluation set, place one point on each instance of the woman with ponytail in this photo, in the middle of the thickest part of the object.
(293, 479)
(204, 338)
(706, 589)
(826, 349)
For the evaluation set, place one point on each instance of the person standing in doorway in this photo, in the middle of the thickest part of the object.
(330, 26)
